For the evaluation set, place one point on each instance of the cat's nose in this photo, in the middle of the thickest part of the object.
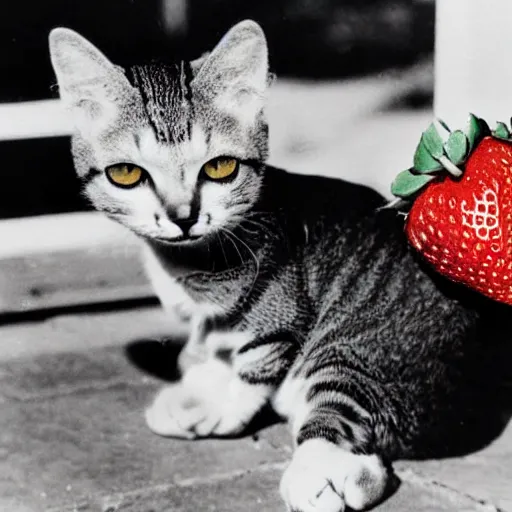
(185, 224)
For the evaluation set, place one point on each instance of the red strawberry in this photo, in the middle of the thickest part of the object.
(463, 225)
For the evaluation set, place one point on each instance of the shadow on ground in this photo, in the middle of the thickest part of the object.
(156, 358)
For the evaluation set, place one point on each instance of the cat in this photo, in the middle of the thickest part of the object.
(300, 291)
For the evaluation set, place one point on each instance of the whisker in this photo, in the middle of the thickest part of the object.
(242, 261)
(259, 226)
(256, 262)
(222, 249)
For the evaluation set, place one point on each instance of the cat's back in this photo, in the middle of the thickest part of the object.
(328, 216)
(318, 197)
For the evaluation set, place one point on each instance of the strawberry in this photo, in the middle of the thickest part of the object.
(461, 216)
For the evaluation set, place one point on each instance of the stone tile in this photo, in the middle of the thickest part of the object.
(420, 496)
(67, 449)
(85, 332)
(485, 475)
(250, 491)
(255, 490)
(98, 354)
(72, 427)
(51, 375)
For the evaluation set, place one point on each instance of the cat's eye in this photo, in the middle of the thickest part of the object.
(125, 175)
(220, 168)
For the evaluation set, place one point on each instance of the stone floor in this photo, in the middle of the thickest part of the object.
(72, 435)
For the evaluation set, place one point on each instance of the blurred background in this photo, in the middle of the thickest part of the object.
(354, 82)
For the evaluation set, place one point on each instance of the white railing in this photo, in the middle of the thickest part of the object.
(33, 119)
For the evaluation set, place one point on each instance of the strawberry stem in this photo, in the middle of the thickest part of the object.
(450, 166)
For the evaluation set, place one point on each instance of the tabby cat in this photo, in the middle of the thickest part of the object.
(301, 292)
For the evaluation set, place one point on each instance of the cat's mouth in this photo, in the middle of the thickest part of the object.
(183, 239)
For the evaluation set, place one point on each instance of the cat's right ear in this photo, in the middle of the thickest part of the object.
(88, 82)
(235, 76)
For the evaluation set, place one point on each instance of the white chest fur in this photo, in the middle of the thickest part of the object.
(171, 293)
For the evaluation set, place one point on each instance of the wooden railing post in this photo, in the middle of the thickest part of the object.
(473, 61)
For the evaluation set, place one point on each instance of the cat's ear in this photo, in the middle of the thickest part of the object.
(88, 82)
(235, 74)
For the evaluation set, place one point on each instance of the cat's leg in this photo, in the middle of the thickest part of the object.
(223, 398)
(258, 367)
(335, 464)
(174, 299)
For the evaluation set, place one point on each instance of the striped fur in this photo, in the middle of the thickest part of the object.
(309, 288)
(167, 98)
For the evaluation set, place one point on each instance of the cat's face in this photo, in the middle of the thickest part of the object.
(169, 151)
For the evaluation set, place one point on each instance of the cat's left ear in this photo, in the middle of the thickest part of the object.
(89, 83)
(235, 74)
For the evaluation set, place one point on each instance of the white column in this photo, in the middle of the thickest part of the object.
(473, 60)
(175, 16)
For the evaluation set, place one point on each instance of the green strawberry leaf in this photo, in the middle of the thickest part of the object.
(434, 154)
(476, 129)
(501, 131)
(406, 183)
(424, 162)
(456, 147)
(433, 141)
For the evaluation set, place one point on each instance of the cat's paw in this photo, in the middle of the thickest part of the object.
(239, 405)
(325, 478)
(165, 415)
(205, 421)
(190, 408)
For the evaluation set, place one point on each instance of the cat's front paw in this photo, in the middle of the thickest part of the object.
(325, 478)
(165, 416)
(192, 408)
(177, 413)
(205, 421)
